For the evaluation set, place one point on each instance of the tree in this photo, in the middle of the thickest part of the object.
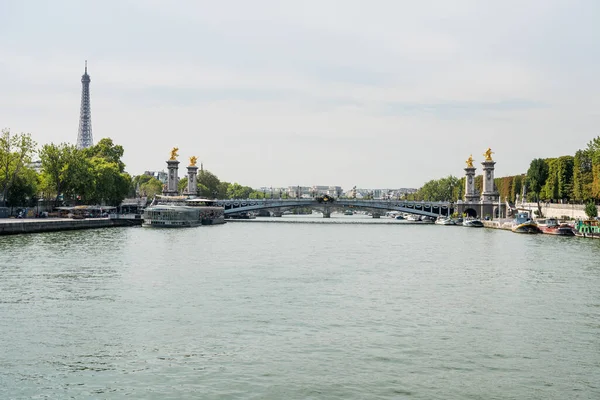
(536, 178)
(444, 189)
(208, 185)
(594, 151)
(111, 186)
(151, 187)
(237, 191)
(582, 176)
(516, 187)
(15, 152)
(565, 177)
(107, 181)
(24, 189)
(61, 168)
(591, 210)
(182, 185)
(108, 151)
(549, 188)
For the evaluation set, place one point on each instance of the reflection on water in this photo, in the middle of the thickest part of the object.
(371, 309)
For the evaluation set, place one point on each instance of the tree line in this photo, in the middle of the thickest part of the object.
(95, 175)
(209, 186)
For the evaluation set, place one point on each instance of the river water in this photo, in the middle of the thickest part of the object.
(299, 310)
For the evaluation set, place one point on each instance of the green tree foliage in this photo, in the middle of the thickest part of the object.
(210, 186)
(111, 183)
(149, 186)
(237, 191)
(94, 175)
(559, 183)
(591, 210)
(516, 187)
(108, 151)
(537, 175)
(549, 187)
(222, 190)
(504, 186)
(536, 178)
(445, 189)
(479, 183)
(61, 167)
(565, 177)
(15, 152)
(23, 191)
(582, 176)
(182, 185)
(594, 152)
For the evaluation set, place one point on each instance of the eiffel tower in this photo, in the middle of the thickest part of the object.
(84, 136)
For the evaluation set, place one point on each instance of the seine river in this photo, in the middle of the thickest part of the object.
(324, 310)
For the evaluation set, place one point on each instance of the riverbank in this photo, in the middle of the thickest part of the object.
(19, 226)
(504, 223)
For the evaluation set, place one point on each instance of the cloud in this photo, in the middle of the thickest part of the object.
(389, 93)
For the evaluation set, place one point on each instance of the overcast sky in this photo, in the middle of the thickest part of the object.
(277, 93)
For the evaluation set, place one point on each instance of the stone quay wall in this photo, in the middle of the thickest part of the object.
(17, 226)
(554, 210)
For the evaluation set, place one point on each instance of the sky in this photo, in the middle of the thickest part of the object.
(374, 94)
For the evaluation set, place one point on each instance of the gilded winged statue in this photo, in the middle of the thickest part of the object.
(470, 161)
(174, 154)
(193, 160)
(488, 154)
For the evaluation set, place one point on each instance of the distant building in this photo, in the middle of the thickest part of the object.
(36, 166)
(160, 175)
(379, 194)
(313, 191)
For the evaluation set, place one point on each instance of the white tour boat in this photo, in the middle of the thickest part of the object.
(181, 212)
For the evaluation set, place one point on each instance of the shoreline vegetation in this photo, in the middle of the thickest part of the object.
(96, 175)
(567, 179)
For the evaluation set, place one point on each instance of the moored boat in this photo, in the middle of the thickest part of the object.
(182, 212)
(524, 224)
(472, 223)
(551, 226)
(587, 229)
(445, 221)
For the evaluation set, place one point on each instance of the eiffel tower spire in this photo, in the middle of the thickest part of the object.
(84, 135)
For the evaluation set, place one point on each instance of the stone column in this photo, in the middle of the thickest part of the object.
(192, 187)
(489, 191)
(172, 178)
(470, 192)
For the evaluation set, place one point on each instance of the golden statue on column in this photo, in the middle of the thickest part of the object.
(488, 154)
(193, 160)
(470, 161)
(174, 154)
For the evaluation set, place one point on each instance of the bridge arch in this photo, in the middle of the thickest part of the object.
(471, 212)
(430, 209)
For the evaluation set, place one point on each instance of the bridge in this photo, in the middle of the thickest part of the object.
(326, 204)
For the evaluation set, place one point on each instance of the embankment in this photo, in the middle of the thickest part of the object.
(19, 226)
